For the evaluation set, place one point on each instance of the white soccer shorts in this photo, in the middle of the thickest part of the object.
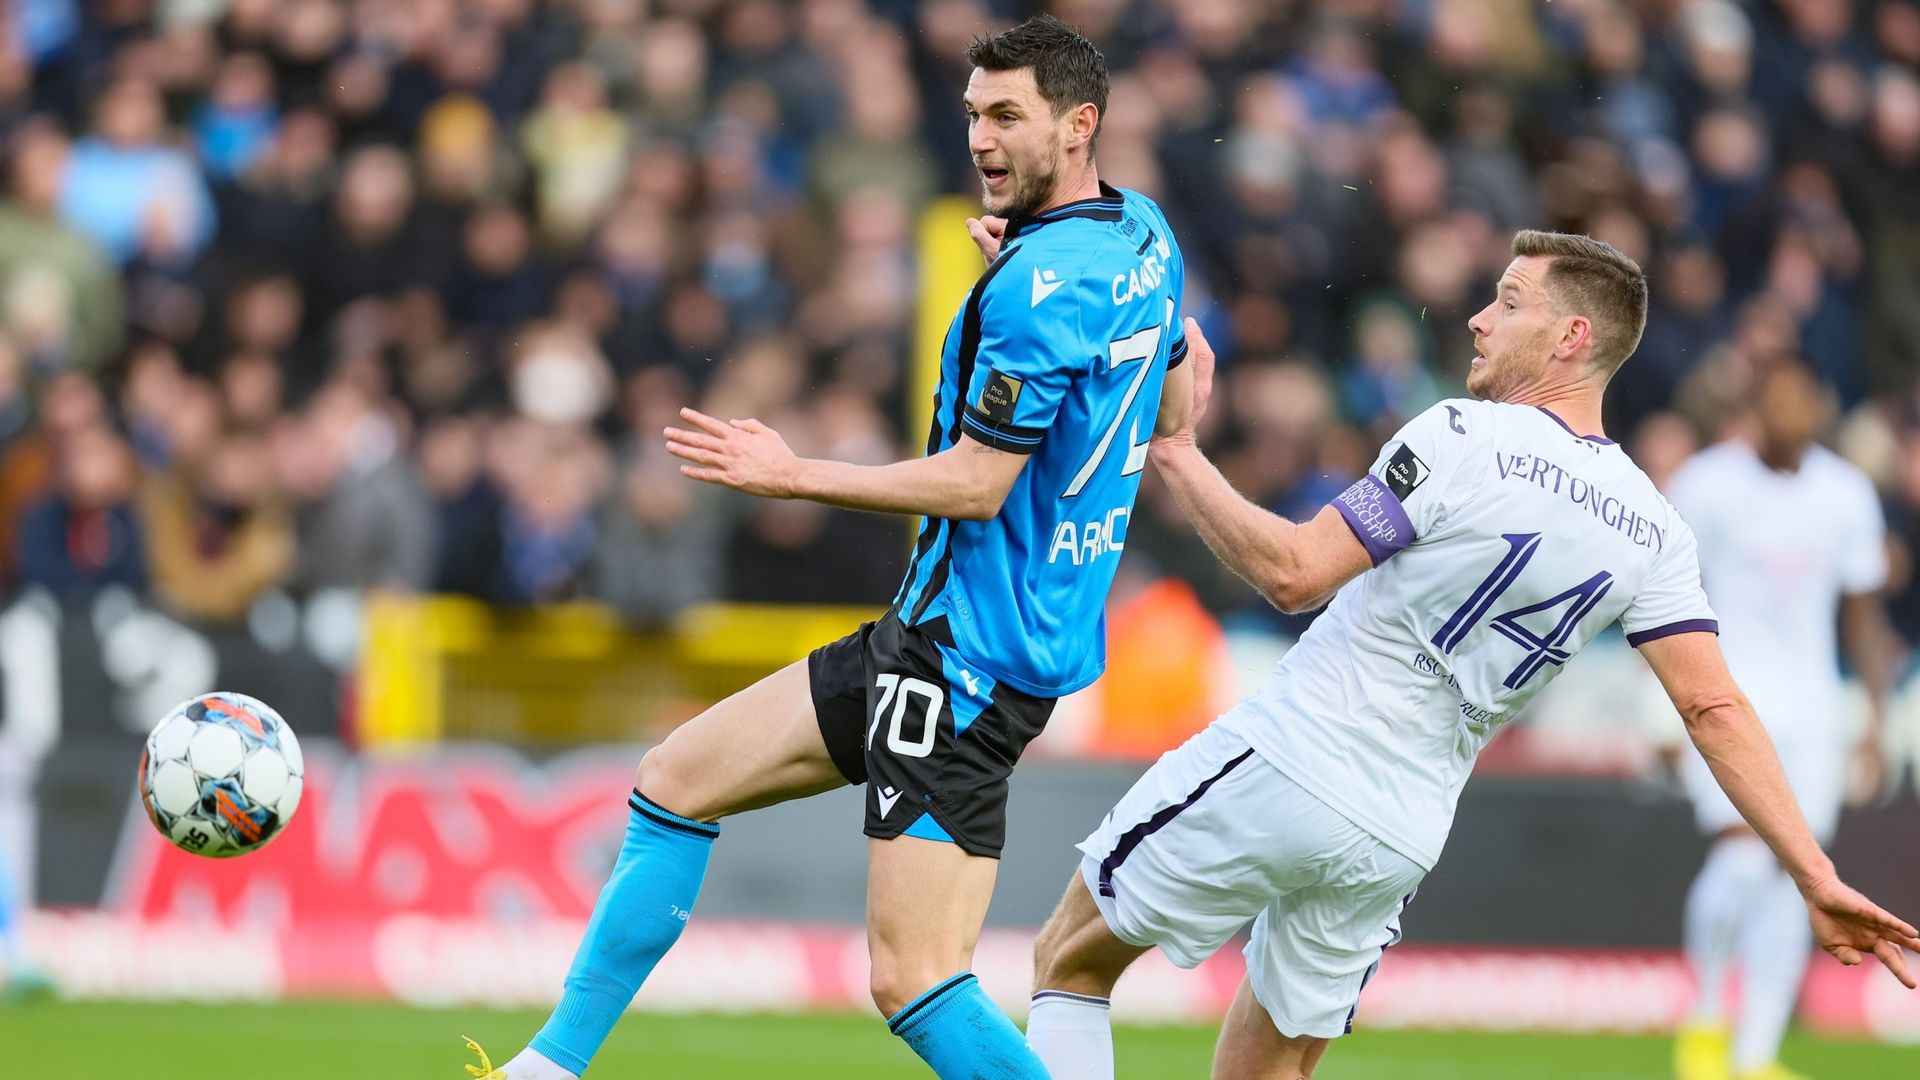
(1211, 836)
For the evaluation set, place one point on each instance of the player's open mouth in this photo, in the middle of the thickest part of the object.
(1478, 360)
(993, 177)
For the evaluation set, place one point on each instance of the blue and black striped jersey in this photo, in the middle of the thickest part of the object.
(1059, 352)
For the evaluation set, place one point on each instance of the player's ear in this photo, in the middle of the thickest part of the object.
(1083, 121)
(1578, 331)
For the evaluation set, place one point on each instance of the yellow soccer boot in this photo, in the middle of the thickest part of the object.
(1703, 1052)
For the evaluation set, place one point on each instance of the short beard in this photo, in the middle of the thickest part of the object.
(1032, 192)
(1500, 380)
(1481, 382)
(1497, 383)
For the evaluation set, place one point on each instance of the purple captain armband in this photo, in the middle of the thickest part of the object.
(1376, 517)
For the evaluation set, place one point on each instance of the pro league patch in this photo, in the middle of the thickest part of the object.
(1405, 472)
(999, 396)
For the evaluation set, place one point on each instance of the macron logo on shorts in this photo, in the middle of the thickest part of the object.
(886, 797)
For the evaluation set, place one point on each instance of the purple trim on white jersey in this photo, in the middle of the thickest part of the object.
(1569, 427)
(1685, 626)
(1376, 517)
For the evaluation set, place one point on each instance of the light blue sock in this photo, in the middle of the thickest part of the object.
(638, 917)
(964, 1036)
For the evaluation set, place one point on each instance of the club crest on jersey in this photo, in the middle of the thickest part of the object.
(1405, 472)
(999, 396)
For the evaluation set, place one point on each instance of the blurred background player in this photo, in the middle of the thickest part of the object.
(1049, 386)
(1317, 806)
(1792, 545)
(12, 955)
(19, 976)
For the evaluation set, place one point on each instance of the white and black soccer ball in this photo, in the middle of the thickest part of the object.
(221, 775)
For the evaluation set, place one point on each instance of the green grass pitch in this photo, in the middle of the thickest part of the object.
(55, 1041)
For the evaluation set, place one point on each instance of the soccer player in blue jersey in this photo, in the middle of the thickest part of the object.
(1050, 389)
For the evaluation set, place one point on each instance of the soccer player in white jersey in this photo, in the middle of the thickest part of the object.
(1491, 540)
(1790, 536)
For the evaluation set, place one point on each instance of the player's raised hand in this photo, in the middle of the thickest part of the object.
(988, 233)
(745, 455)
(1180, 412)
(1850, 927)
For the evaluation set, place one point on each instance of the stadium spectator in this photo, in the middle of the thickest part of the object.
(452, 459)
(362, 517)
(131, 192)
(59, 297)
(544, 529)
(273, 211)
(500, 279)
(578, 147)
(374, 246)
(218, 532)
(661, 544)
(84, 537)
(236, 126)
(68, 404)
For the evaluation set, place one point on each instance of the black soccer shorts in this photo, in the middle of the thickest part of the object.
(933, 739)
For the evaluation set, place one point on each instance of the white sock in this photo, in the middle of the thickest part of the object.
(1072, 1034)
(531, 1064)
(1735, 872)
(1775, 945)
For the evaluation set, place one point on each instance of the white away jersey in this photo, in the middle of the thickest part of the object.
(1777, 552)
(1502, 543)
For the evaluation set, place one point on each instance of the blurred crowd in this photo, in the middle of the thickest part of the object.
(309, 294)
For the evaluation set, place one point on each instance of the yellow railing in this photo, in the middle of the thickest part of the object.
(949, 264)
(446, 667)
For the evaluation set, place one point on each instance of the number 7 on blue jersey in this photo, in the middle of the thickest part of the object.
(1141, 346)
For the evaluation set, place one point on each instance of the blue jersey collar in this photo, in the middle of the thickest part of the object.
(1104, 207)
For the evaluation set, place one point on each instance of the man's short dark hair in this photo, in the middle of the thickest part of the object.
(1068, 68)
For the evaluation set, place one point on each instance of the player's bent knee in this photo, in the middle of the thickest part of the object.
(664, 779)
(1059, 965)
(1080, 954)
(896, 984)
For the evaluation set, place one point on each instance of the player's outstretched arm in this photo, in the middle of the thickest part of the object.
(1722, 724)
(968, 481)
(1295, 566)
